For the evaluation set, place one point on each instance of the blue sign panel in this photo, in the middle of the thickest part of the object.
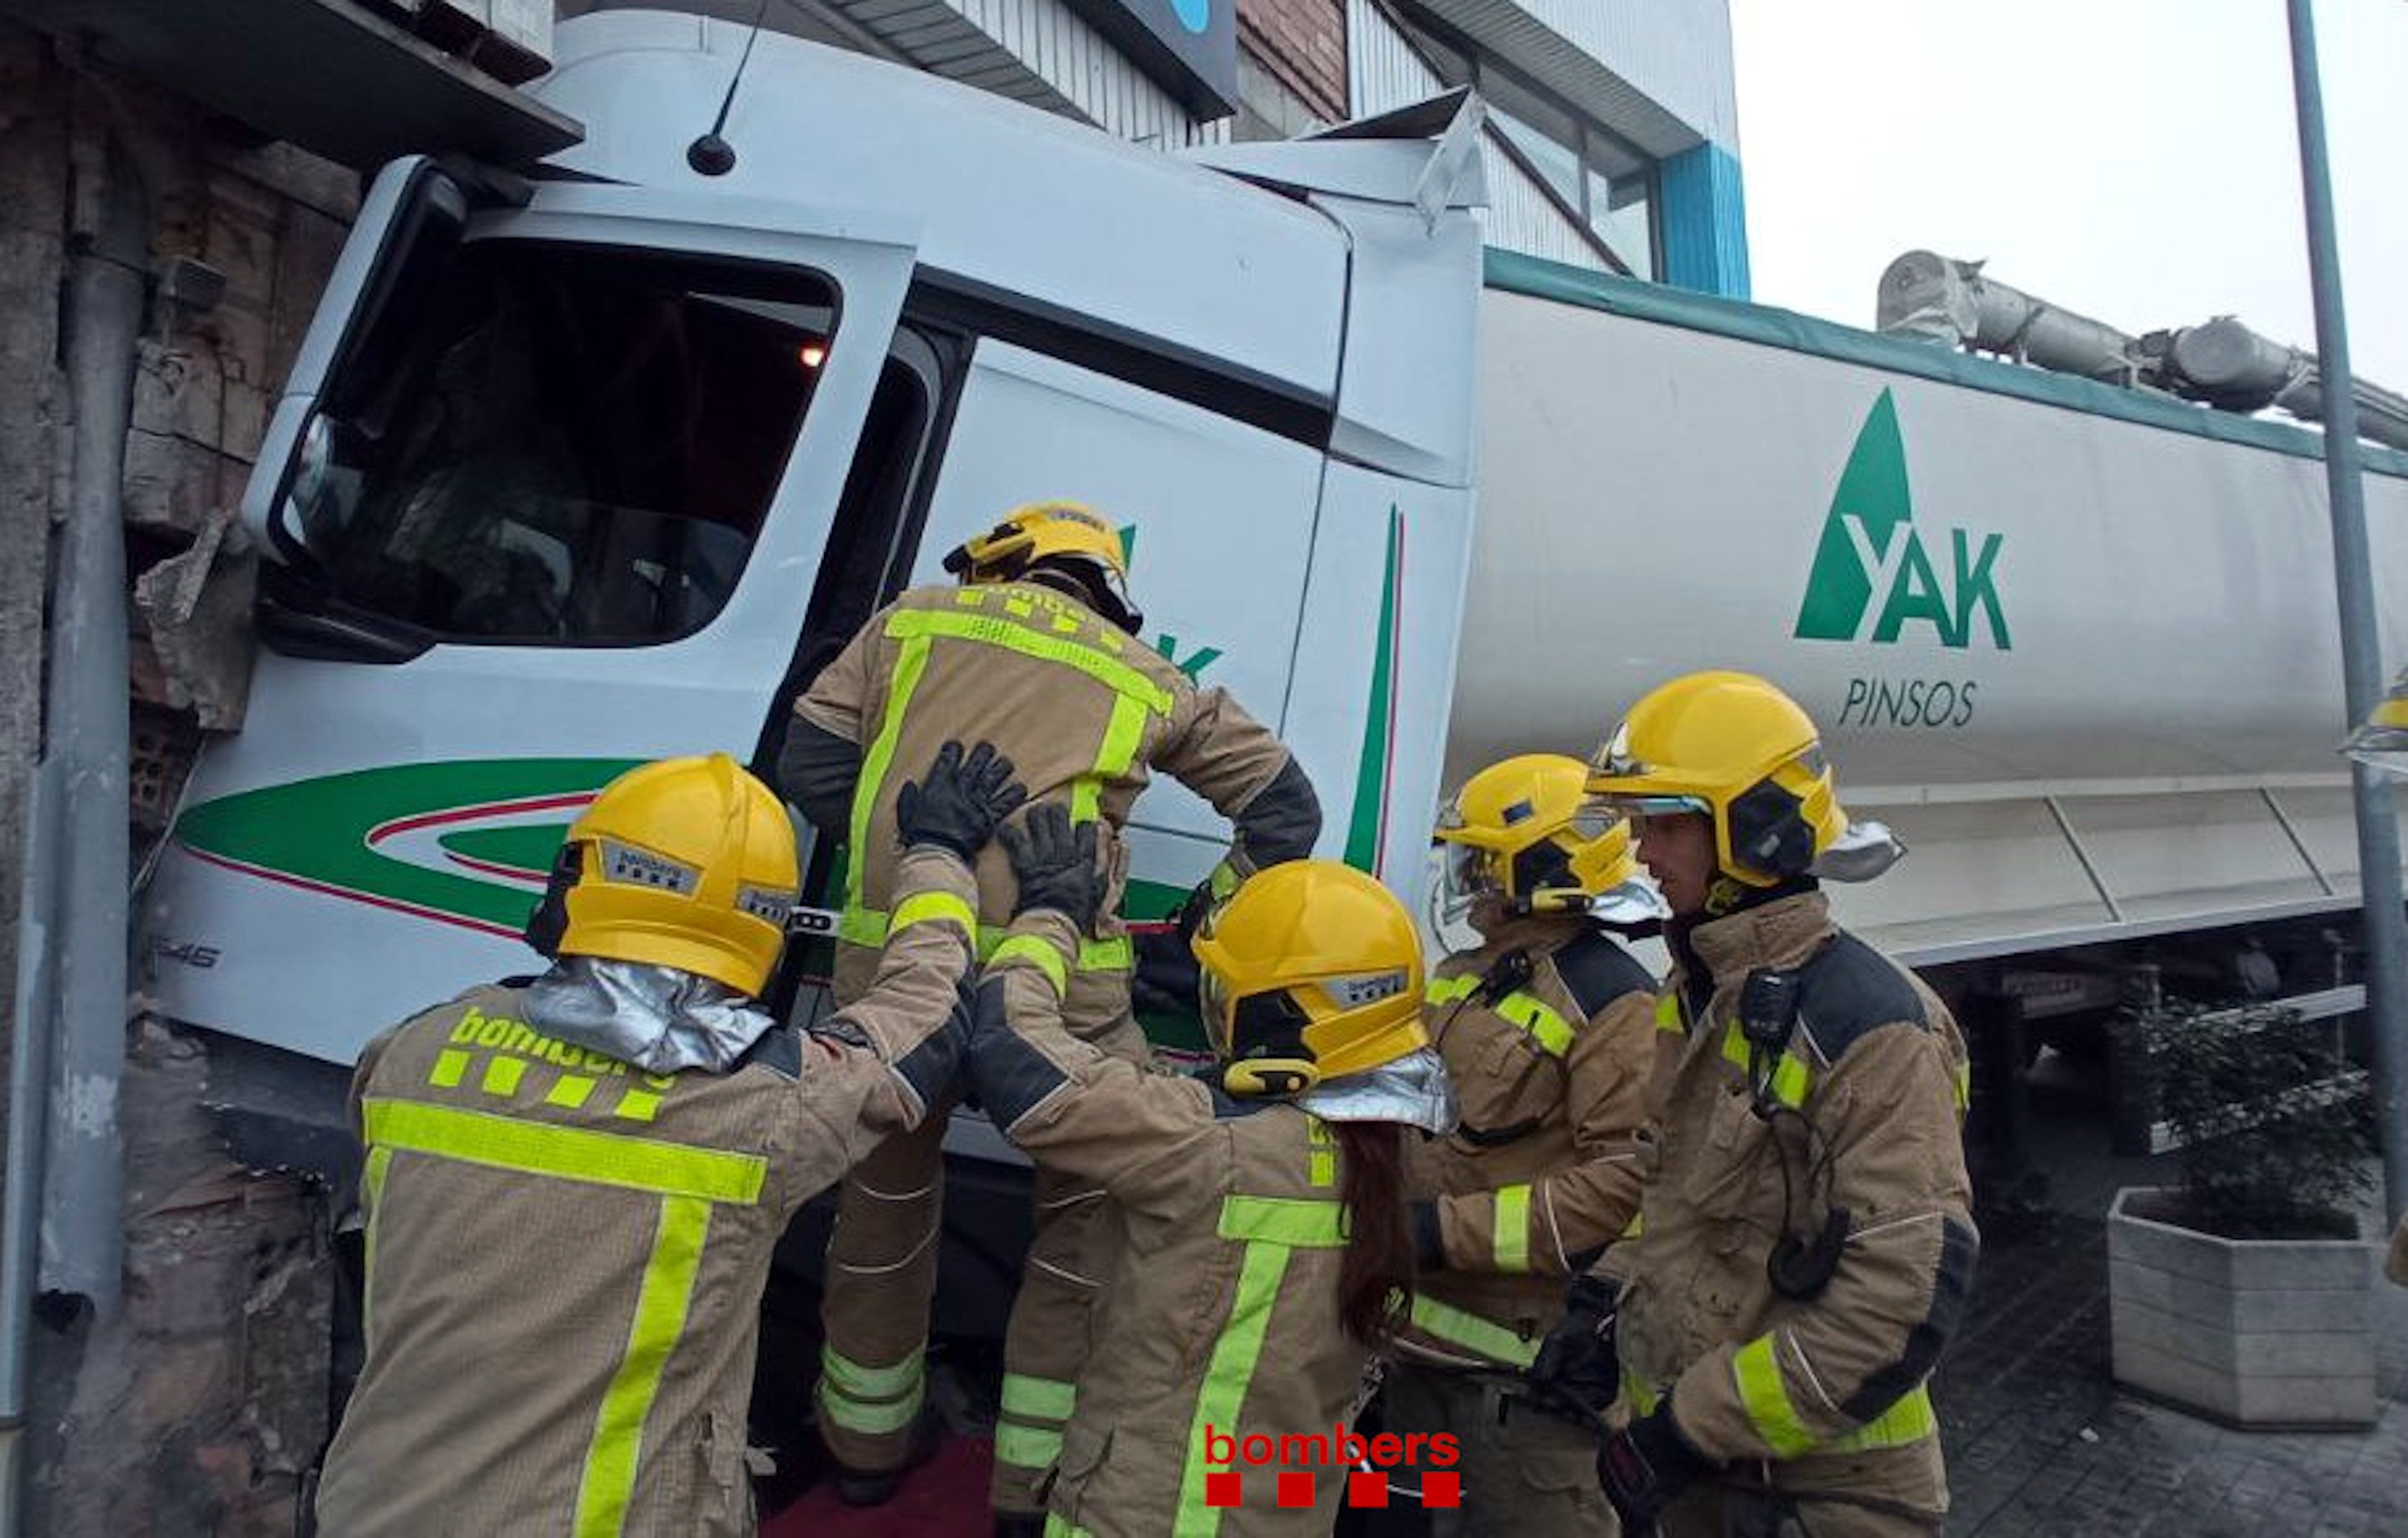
(1189, 46)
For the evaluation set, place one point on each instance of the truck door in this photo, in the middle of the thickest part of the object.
(548, 496)
(1218, 519)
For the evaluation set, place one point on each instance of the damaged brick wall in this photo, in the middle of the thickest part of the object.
(198, 1407)
(33, 407)
(195, 1407)
(268, 221)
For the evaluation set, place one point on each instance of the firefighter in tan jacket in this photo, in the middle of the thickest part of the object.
(1806, 1246)
(1548, 1031)
(1262, 1213)
(1037, 652)
(573, 1187)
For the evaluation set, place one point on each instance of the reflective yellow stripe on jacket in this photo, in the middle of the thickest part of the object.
(1509, 1225)
(917, 629)
(933, 908)
(1038, 952)
(1902, 1424)
(688, 1180)
(1272, 1228)
(1793, 1076)
(1545, 1024)
(1481, 1337)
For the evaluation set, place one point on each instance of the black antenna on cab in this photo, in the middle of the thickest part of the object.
(711, 155)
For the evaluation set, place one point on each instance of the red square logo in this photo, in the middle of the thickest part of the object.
(1295, 1489)
(1442, 1489)
(1366, 1489)
(1225, 1489)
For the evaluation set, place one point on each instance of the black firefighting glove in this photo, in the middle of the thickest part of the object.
(957, 804)
(1429, 1238)
(1168, 980)
(1642, 1468)
(1578, 1370)
(1056, 865)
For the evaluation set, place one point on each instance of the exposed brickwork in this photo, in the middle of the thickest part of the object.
(1302, 43)
(195, 1406)
(33, 412)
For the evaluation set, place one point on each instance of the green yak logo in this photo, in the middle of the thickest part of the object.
(1872, 551)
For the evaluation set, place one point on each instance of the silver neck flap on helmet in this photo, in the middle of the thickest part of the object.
(661, 1019)
(1412, 1089)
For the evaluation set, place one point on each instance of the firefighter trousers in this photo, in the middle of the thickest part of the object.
(1524, 1471)
(881, 1273)
(1884, 1494)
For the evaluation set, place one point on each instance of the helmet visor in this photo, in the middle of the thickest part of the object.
(1466, 874)
(1637, 809)
(1213, 1002)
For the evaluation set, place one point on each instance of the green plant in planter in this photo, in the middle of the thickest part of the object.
(2276, 1126)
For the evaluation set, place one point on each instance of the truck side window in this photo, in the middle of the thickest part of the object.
(580, 450)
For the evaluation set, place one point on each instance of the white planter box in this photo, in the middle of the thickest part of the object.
(2255, 1332)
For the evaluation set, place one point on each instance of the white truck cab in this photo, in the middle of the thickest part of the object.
(600, 465)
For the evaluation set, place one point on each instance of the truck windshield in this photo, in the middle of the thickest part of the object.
(560, 444)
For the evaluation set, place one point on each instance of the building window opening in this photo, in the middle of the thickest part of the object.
(1605, 184)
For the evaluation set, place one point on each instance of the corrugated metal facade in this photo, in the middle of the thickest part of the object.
(1382, 71)
(1677, 53)
(1385, 72)
(1507, 31)
(1520, 217)
(1038, 52)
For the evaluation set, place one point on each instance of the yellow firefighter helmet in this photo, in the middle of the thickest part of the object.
(1526, 831)
(686, 863)
(2382, 738)
(1068, 535)
(1312, 971)
(1732, 746)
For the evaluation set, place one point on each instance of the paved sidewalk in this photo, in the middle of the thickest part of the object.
(2042, 1441)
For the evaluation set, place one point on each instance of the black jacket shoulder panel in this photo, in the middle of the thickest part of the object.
(779, 1050)
(1850, 989)
(1229, 1107)
(1596, 971)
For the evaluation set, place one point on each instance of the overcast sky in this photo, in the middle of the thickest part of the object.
(2133, 160)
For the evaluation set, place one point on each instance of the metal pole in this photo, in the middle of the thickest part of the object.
(2378, 827)
(29, 1085)
(85, 725)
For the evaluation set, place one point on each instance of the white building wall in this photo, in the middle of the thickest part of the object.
(1678, 52)
(1040, 51)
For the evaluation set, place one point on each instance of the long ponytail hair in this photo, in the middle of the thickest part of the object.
(1375, 1276)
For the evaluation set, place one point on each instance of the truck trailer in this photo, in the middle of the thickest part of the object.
(598, 461)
